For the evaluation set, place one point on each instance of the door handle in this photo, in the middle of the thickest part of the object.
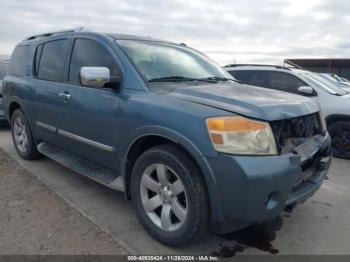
(66, 96)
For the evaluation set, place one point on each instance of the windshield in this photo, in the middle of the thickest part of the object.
(169, 62)
(323, 83)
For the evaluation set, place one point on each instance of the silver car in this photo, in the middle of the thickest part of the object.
(340, 81)
(334, 101)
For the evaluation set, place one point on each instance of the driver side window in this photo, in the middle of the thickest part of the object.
(285, 82)
(88, 52)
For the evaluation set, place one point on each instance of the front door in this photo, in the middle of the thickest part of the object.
(90, 119)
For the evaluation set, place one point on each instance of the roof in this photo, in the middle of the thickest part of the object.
(135, 37)
(324, 62)
(83, 30)
(255, 67)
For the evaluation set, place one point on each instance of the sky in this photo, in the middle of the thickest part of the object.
(228, 31)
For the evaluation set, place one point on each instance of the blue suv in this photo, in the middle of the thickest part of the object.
(160, 121)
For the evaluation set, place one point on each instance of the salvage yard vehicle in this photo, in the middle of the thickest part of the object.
(341, 82)
(191, 147)
(334, 101)
(3, 70)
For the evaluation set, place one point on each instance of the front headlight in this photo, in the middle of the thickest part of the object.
(239, 135)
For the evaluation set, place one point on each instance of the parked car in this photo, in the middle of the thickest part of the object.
(3, 69)
(163, 123)
(341, 82)
(334, 101)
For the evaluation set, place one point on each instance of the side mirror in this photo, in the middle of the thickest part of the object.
(94, 76)
(98, 77)
(306, 90)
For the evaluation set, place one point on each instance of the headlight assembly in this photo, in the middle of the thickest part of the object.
(242, 136)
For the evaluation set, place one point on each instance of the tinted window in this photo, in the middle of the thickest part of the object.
(285, 82)
(250, 77)
(38, 53)
(90, 53)
(19, 60)
(52, 60)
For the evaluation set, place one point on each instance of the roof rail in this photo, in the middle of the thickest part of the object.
(257, 65)
(78, 29)
(288, 62)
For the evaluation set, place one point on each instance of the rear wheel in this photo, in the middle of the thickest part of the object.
(340, 134)
(22, 136)
(169, 195)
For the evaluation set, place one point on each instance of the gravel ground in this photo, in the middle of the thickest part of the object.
(33, 220)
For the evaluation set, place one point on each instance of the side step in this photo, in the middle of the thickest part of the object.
(82, 166)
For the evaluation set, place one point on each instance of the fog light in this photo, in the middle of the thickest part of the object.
(272, 200)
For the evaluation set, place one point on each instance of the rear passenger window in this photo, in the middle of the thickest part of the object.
(285, 82)
(89, 53)
(250, 77)
(52, 59)
(18, 62)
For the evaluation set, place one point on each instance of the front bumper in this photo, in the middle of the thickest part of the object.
(259, 188)
(2, 112)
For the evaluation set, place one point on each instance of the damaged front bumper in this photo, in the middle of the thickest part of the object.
(258, 188)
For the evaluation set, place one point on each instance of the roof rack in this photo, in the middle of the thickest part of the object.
(288, 62)
(78, 29)
(257, 65)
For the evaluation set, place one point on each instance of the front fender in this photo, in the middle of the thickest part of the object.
(191, 148)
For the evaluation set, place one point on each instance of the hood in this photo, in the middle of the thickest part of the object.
(250, 101)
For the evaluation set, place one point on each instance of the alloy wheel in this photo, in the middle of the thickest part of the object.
(20, 134)
(163, 197)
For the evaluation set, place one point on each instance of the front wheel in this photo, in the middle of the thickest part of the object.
(340, 134)
(22, 136)
(169, 195)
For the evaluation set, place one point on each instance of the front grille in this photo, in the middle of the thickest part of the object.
(293, 131)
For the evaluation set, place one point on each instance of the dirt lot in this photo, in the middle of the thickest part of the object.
(320, 226)
(33, 220)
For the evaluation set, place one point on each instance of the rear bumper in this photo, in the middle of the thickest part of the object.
(259, 188)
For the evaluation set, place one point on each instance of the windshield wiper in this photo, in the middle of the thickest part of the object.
(217, 78)
(178, 79)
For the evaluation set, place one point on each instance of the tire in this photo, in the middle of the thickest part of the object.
(340, 134)
(178, 229)
(22, 136)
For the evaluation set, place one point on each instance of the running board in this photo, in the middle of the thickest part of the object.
(83, 167)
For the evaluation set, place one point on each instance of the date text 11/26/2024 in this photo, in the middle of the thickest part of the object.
(173, 258)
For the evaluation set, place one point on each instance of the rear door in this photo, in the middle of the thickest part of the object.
(50, 107)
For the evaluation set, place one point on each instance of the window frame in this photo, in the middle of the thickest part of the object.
(265, 75)
(103, 44)
(43, 43)
(286, 73)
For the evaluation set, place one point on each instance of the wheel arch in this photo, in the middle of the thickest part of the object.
(152, 136)
(15, 103)
(336, 118)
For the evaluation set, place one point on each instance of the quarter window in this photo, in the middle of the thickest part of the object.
(52, 59)
(18, 62)
(89, 53)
